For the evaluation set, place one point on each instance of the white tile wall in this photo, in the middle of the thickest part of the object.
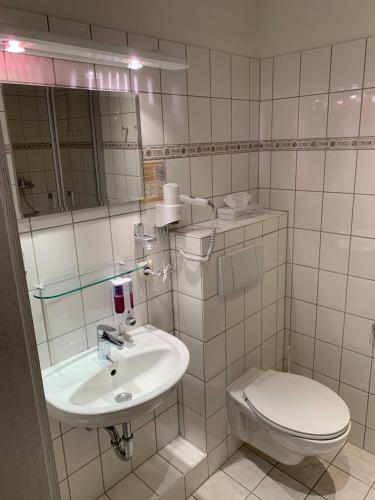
(347, 65)
(181, 113)
(199, 71)
(315, 69)
(228, 335)
(173, 82)
(284, 118)
(30, 69)
(75, 74)
(344, 114)
(286, 71)
(369, 77)
(313, 116)
(175, 113)
(367, 118)
(266, 75)
(329, 197)
(240, 77)
(220, 74)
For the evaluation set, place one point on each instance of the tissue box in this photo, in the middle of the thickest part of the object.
(234, 214)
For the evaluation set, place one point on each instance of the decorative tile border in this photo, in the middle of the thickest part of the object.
(74, 145)
(18, 146)
(121, 145)
(163, 152)
(188, 150)
(21, 146)
(319, 144)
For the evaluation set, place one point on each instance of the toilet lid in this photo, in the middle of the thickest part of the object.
(298, 405)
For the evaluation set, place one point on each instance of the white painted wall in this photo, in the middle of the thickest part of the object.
(219, 24)
(257, 28)
(290, 25)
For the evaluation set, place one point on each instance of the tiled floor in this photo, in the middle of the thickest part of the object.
(348, 476)
(172, 474)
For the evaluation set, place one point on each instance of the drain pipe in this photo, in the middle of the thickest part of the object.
(122, 446)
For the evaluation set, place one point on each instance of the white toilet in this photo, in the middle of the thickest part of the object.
(286, 416)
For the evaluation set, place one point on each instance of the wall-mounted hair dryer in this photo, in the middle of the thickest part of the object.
(170, 211)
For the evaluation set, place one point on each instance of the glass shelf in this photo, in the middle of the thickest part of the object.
(65, 286)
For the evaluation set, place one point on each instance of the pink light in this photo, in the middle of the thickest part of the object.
(14, 46)
(135, 64)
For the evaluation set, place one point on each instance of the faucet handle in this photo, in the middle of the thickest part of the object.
(102, 329)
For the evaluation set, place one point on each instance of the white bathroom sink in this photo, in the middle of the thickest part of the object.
(82, 390)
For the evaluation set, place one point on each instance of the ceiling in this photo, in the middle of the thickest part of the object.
(258, 28)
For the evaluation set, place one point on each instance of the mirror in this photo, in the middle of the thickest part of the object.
(73, 148)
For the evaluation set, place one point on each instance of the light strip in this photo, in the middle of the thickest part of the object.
(14, 46)
(75, 49)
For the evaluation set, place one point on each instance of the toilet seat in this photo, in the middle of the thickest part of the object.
(297, 406)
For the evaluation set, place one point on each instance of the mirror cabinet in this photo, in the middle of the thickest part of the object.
(72, 148)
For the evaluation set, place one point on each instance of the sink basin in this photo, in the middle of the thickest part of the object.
(85, 391)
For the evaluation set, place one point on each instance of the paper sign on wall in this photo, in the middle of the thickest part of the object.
(155, 178)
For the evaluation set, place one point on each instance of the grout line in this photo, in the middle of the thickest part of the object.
(319, 270)
(65, 460)
(335, 380)
(350, 253)
(101, 460)
(317, 339)
(331, 272)
(232, 478)
(292, 233)
(82, 467)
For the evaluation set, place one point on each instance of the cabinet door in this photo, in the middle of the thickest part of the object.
(77, 148)
(31, 156)
(119, 146)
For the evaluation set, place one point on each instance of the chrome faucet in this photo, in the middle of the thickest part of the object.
(105, 338)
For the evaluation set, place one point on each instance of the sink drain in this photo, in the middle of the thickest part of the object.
(122, 397)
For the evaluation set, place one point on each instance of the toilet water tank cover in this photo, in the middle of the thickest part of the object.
(298, 404)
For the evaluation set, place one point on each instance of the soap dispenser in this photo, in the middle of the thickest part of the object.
(123, 301)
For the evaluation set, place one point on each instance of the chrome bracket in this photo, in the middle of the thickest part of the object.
(141, 235)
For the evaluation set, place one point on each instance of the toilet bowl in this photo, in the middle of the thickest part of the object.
(287, 416)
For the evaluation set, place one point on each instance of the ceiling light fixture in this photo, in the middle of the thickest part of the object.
(135, 64)
(14, 46)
